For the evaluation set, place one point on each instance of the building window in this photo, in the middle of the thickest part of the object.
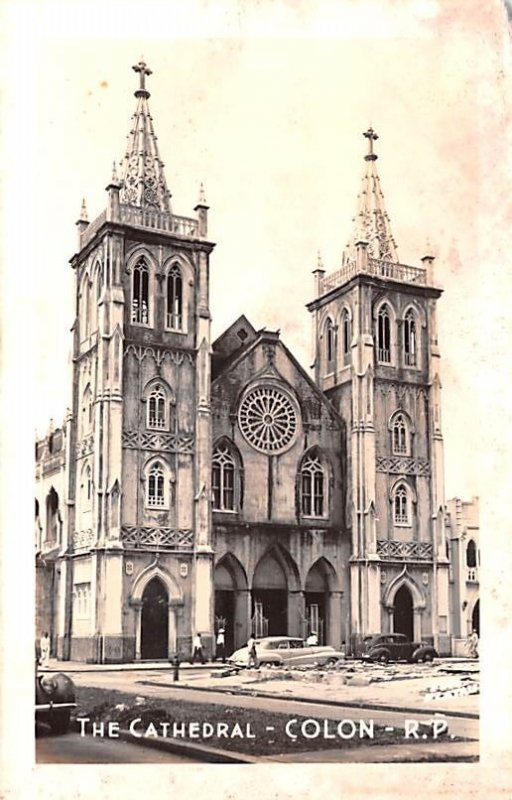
(313, 487)
(82, 600)
(410, 355)
(329, 345)
(174, 318)
(223, 479)
(155, 486)
(140, 293)
(347, 336)
(88, 484)
(471, 554)
(401, 505)
(400, 434)
(384, 336)
(156, 408)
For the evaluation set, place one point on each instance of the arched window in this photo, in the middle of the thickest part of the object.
(410, 354)
(313, 485)
(384, 336)
(140, 292)
(88, 483)
(330, 345)
(400, 435)
(52, 516)
(157, 408)
(156, 494)
(225, 480)
(174, 319)
(347, 336)
(401, 505)
(87, 411)
(471, 554)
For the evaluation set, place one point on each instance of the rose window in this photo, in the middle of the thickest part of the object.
(268, 419)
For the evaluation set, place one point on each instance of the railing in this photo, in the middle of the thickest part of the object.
(157, 538)
(145, 218)
(391, 550)
(375, 266)
(159, 220)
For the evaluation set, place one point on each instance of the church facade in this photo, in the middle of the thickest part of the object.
(196, 484)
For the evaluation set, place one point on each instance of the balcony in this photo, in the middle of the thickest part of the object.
(376, 267)
(151, 218)
(472, 575)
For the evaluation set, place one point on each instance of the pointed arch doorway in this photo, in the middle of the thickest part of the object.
(270, 597)
(154, 642)
(403, 616)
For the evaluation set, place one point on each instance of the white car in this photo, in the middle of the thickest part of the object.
(287, 651)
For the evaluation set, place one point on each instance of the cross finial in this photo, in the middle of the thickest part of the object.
(143, 70)
(372, 137)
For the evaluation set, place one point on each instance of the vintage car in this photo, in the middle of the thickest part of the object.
(287, 651)
(55, 699)
(396, 647)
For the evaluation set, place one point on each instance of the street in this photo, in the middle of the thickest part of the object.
(75, 749)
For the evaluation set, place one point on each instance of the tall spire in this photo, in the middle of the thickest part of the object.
(143, 181)
(371, 221)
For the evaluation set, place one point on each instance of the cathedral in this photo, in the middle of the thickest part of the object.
(195, 485)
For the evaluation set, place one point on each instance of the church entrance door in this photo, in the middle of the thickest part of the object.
(403, 619)
(270, 590)
(155, 621)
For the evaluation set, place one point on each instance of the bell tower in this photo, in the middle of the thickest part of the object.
(377, 358)
(139, 541)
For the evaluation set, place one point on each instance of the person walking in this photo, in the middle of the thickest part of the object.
(472, 644)
(45, 649)
(220, 646)
(252, 655)
(198, 649)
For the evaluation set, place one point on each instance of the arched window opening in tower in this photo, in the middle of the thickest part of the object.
(400, 436)
(410, 340)
(155, 486)
(329, 331)
(401, 506)
(384, 336)
(223, 479)
(347, 336)
(312, 487)
(140, 293)
(174, 299)
(471, 554)
(156, 409)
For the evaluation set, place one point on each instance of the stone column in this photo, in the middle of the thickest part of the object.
(335, 633)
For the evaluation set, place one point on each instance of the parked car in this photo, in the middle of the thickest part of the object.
(396, 647)
(287, 651)
(55, 699)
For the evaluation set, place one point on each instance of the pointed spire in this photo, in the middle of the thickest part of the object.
(143, 181)
(319, 260)
(202, 196)
(371, 223)
(83, 212)
(114, 178)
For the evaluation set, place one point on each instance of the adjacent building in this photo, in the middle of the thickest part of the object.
(463, 543)
(196, 485)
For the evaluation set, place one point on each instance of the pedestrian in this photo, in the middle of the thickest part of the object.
(198, 649)
(312, 639)
(45, 649)
(220, 646)
(252, 655)
(472, 644)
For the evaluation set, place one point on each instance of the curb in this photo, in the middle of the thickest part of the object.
(325, 702)
(213, 755)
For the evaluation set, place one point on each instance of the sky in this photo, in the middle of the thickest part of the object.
(266, 107)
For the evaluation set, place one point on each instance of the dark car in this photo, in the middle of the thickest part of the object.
(55, 699)
(396, 647)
